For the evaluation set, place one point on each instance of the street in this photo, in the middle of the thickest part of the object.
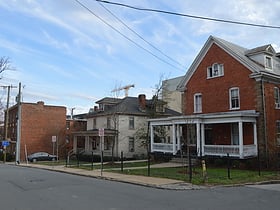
(36, 189)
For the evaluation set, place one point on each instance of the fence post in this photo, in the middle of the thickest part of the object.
(92, 160)
(228, 165)
(121, 161)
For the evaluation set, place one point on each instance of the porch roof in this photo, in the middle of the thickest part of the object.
(95, 132)
(210, 118)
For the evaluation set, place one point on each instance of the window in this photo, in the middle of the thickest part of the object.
(131, 144)
(197, 103)
(67, 125)
(268, 62)
(131, 123)
(94, 123)
(216, 70)
(278, 132)
(276, 98)
(108, 122)
(234, 98)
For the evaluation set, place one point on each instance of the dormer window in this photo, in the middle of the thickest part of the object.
(216, 70)
(268, 62)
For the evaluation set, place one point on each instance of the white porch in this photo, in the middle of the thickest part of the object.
(236, 148)
(89, 142)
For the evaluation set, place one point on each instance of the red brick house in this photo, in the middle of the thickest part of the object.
(231, 104)
(38, 124)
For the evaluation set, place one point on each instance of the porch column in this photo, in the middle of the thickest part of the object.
(255, 137)
(240, 128)
(178, 137)
(202, 140)
(174, 138)
(75, 144)
(198, 138)
(151, 138)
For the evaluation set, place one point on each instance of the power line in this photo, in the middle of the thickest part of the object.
(190, 16)
(126, 37)
(137, 34)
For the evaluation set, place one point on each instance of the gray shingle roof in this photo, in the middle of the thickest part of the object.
(129, 106)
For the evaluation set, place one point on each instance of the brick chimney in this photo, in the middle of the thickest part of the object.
(42, 103)
(142, 101)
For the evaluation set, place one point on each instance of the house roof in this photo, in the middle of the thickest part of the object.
(171, 84)
(236, 51)
(265, 48)
(109, 100)
(129, 106)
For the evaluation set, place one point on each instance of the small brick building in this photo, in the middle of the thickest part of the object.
(38, 124)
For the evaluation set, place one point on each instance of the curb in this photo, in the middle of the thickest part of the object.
(175, 186)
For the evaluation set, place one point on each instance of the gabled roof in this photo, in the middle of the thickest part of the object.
(262, 49)
(238, 52)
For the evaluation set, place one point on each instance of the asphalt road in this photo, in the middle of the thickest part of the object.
(36, 189)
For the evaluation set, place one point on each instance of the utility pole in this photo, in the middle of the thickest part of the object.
(7, 119)
(7, 108)
(18, 125)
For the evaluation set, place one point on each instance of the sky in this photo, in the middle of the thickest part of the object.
(67, 55)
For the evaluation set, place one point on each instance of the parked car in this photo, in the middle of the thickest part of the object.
(41, 156)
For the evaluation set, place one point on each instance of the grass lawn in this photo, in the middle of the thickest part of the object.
(215, 176)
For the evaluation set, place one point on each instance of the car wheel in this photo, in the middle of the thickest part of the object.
(53, 159)
(34, 160)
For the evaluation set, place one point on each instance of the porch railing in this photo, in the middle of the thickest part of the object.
(232, 150)
(221, 150)
(213, 150)
(162, 147)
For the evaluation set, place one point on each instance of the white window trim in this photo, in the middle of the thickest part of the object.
(265, 63)
(277, 104)
(194, 103)
(220, 71)
(230, 97)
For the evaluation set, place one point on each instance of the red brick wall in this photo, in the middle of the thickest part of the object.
(272, 115)
(215, 91)
(38, 124)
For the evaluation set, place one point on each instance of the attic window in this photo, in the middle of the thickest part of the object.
(216, 70)
(268, 62)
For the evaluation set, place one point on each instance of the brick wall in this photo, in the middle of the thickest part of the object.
(39, 123)
(215, 91)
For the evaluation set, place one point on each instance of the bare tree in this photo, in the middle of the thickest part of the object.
(5, 64)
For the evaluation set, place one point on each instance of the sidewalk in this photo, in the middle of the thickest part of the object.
(162, 183)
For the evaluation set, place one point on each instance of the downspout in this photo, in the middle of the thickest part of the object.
(264, 120)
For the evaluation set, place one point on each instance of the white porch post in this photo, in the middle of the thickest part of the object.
(151, 138)
(75, 144)
(202, 139)
(178, 137)
(240, 129)
(174, 138)
(255, 137)
(198, 138)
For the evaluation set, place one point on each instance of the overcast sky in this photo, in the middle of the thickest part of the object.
(67, 55)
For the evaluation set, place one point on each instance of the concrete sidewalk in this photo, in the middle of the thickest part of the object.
(162, 183)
